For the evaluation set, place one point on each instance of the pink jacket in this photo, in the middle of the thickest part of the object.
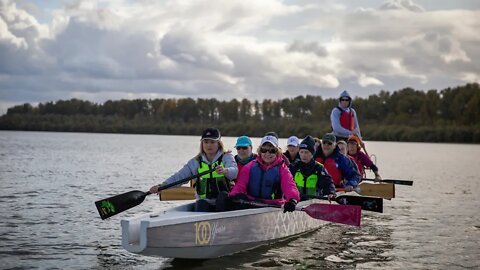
(287, 184)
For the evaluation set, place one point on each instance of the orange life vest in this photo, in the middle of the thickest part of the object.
(346, 119)
(332, 169)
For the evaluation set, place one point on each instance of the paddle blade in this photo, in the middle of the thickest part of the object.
(180, 193)
(399, 182)
(119, 203)
(393, 181)
(373, 204)
(383, 190)
(343, 214)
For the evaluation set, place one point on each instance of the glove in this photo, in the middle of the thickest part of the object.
(331, 197)
(223, 202)
(289, 206)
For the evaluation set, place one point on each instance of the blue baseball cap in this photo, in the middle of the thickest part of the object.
(243, 141)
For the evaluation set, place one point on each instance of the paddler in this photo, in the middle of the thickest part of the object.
(266, 179)
(310, 176)
(344, 173)
(361, 159)
(244, 152)
(211, 155)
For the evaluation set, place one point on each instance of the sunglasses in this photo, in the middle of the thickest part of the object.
(329, 143)
(271, 151)
(242, 147)
(344, 99)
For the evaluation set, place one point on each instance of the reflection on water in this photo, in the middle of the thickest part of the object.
(49, 182)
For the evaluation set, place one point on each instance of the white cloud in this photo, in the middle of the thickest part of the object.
(364, 81)
(231, 49)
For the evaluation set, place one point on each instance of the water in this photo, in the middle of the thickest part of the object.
(49, 181)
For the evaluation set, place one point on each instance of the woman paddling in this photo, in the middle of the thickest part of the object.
(211, 155)
(361, 159)
(266, 178)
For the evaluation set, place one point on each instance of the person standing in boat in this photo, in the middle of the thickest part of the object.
(211, 155)
(360, 158)
(310, 176)
(267, 178)
(343, 171)
(292, 149)
(244, 152)
(344, 118)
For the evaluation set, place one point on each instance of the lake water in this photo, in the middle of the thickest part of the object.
(49, 182)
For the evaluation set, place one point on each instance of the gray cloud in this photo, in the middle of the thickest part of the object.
(231, 49)
(307, 47)
(402, 5)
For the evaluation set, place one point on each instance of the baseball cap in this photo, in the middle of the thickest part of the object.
(269, 139)
(272, 133)
(329, 137)
(293, 140)
(243, 141)
(211, 134)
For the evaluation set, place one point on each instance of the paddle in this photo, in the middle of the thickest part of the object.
(178, 193)
(367, 203)
(343, 214)
(362, 144)
(116, 204)
(383, 190)
(393, 181)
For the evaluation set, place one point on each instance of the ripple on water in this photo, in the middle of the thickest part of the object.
(336, 259)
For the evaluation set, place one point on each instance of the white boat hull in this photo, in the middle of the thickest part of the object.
(181, 233)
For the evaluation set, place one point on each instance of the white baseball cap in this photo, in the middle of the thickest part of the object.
(293, 140)
(269, 139)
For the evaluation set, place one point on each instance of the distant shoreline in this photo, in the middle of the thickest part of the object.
(407, 115)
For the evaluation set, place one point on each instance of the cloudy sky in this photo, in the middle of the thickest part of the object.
(255, 49)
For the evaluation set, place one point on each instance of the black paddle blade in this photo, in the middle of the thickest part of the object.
(399, 182)
(119, 203)
(393, 181)
(367, 203)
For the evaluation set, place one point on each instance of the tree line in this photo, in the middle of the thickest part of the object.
(449, 115)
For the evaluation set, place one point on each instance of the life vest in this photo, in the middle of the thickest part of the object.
(308, 186)
(331, 166)
(209, 185)
(240, 165)
(360, 165)
(264, 184)
(346, 119)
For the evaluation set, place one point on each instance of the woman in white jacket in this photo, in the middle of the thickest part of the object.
(211, 155)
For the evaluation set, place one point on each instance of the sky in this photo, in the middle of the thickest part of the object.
(101, 50)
